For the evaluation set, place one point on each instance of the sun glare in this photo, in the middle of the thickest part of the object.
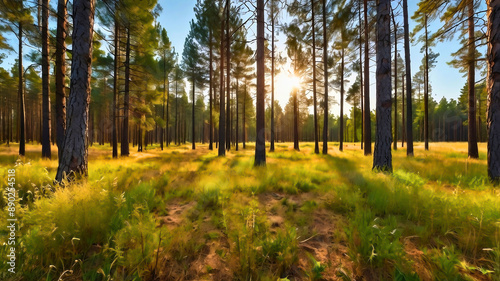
(284, 85)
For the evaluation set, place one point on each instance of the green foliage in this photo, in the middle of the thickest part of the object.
(317, 270)
(374, 241)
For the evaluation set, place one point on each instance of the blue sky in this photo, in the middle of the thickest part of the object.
(445, 80)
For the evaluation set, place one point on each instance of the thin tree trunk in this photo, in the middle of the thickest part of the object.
(341, 131)
(21, 114)
(271, 149)
(177, 133)
(125, 145)
(115, 86)
(426, 88)
(325, 70)
(193, 146)
(316, 144)
(237, 114)
(395, 140)
(74, 158)
(222, 107)
(228, 78)
(409, 119)
(382, 157)
(164, 94)
(366, 113)
(403, 111)
(60, 74)
(473, 151)
(210, 93)
(46, 151)
(295, 121)
(361, 75)
(260, 143)
(244, 116)
(493, 86)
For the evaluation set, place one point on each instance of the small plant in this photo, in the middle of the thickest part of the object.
(317, 270)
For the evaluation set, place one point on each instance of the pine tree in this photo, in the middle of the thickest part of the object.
(74, 159)
(382, 158)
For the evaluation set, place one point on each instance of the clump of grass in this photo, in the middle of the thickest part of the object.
(281, 250)
(208, 199)
(374, 241)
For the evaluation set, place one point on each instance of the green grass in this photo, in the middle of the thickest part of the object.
(183, 214)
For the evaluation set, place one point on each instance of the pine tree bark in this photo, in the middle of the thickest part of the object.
(426, 88)
(193, 146)
(115, 86)
(244, 116)
(361, 74)
(237, 117)
(409, 119)
(60, 74)
(210, 93)
(228, 78)
(395, 139)
(325, 71)
(493, 86)
(164, 94)
(341, 129)
(126, 101)
(382, 157)
(366, 114)
(74, 159)
(20, 92)
(222, 107)
(403, 133)
(260, 143)
(316, 144)
(471, 80)
(271, 149)
(46, 151)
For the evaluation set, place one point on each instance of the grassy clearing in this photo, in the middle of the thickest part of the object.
(183, 214)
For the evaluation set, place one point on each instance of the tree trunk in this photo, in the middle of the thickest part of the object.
(20, 91)
(260, 142)
(125, 145)
(237, 118)
(46, 151)
(60, 73)
(341, 129)
(228, 78)
(244, 116)
(75, 149)
(403, 135)
(295, 121)
(325, 70)
(409, 119)
(366, 113)
(493, 86)
(316, 144)
(395, 140)
(382, 158)
(176, 129)
(271, 149)
(193, 146)
(164, 94)
(473, 151)
(426, 88)
(210, 93)
(222, 107)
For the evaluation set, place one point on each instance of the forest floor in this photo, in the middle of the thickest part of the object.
(182, 214)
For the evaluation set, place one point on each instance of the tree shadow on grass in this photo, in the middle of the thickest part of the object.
(347, 170)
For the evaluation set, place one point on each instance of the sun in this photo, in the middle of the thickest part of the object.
(284, 84)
